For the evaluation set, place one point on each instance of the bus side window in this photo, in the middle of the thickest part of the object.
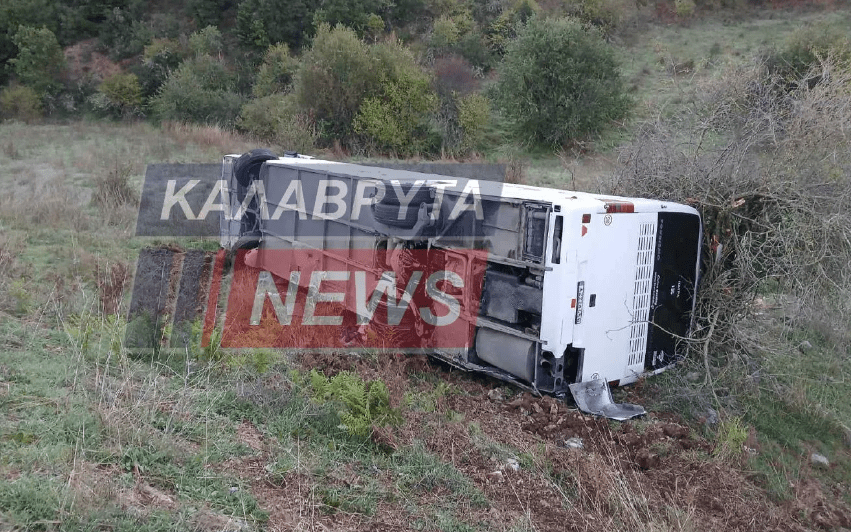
(557, 241)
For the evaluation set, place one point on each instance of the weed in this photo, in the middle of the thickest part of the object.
(111, 285)
(22, 297)
(420, 471)
(730, 438)
(115, 188)
(31, 502)
(349, 499)
(363, 404)
(430, 400)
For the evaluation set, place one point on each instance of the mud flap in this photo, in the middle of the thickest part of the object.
(595, 397)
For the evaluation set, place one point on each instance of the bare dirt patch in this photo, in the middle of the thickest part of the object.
(249, 435)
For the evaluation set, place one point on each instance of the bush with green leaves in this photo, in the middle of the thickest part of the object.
(40, 59)
(124, 33)
(806, 47)
(276, 72)
(374, 27)
(503, 29)
(607, 15)
(261, 23)
(122, 94)
(395, 118)
(445, 33)
(362, 405)
(160, 58)
(14, 13)
(207, 41)
(353, 14)
(474, 116)
(201, 90)
(336, 75)
(278, 120)
(457, 33)
(559, 81)
(355, 91)
(20, 103)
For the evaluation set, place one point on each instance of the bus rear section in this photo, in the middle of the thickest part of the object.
(636, 272)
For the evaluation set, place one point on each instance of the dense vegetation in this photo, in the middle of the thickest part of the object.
(406, 78)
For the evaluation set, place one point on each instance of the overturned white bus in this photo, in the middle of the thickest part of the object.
(549, 289)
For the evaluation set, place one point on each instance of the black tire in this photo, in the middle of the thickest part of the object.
(388, 214)
(247, 242)
(422, 195)
(247, 167)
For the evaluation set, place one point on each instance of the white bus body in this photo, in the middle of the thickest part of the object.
(579, 287)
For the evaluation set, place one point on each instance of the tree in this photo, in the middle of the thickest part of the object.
(366, 95)
(122, 94)
(206, 41)
(261, 23)
(40, 59)
(559, 81)
(351, 13)
(276, 72)
(15, 13)
(201, 90)
(337, 74)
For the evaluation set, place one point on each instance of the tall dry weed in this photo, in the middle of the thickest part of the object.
(218, 139)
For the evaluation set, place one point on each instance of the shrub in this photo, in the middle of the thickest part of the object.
(684, 8)
(261, 23)
(462, 122)
(123, 94)
(473, 118)
(40, 59)
(503, 30)
(336, 75)
(351, 14)
(395, 120)
(474, 48)
(115, 189)
(806, 47)
(454, 80)
(123, 33)
(159, 59)
(445, 33)
(362, 405)
(201, 90)
(276, 72)
(340, 73)
(609, 14)
(276, 119)
(770, 172)
(559, 81)
(207, 41)
(20, 102)
(374, 26)
(454, 75)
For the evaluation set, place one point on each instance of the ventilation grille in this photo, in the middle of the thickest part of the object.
(641, 294)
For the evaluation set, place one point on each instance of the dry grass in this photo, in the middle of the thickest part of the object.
(769, 167)
(212, 138)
